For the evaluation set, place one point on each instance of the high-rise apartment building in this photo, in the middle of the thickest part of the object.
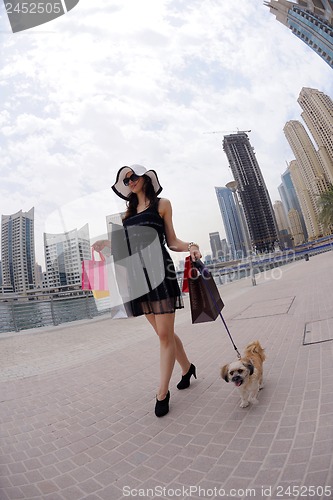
(310, 20)
(296, 227)
(310, 169)
(64, 254)
(318, 115)
(309, 211)
(232, 223)
(252, 190)
(307, 157)
(282, 224)
(280, 216)
(18, 251)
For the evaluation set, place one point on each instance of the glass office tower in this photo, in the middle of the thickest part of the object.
(290, 201)
(310, 21)
(231, 221)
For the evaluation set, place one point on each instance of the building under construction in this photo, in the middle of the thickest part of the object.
(252, 190)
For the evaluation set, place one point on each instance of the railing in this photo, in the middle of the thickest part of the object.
(20, 313)
(51, 309)
(260, 265)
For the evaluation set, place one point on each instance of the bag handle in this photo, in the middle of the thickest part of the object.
(189, 265)
(198, 264)
(101, 256)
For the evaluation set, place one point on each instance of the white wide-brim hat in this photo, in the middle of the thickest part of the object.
(124, 191)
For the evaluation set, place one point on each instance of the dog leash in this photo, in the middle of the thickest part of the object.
(198, 264)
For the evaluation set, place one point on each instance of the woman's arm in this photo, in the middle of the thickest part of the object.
(174, 243)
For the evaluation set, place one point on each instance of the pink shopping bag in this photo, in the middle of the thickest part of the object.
(94, 273)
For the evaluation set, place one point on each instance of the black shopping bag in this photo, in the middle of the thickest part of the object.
(205, 300)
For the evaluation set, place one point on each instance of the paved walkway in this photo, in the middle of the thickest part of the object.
(77, 402)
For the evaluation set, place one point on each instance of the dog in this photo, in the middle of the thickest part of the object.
(247, 373)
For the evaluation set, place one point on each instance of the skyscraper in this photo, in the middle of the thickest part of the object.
(18, 251)
(306, 202)
(282, 224)
(291, 204)
(252, 190)
(318, 116)
(312, 173)
(296, 227)
(310, 20)
(232, 224)
(64, 253)
(307, 157)
(216, 245)
(288, 193)
(280, 216)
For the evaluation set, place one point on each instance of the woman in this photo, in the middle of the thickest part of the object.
(140, 188)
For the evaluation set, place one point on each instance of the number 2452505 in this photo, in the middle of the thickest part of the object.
(304, 491)
(34, 8)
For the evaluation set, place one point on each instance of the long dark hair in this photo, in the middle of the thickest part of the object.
(132, 203)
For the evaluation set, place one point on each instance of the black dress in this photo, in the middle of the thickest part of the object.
(152, 271)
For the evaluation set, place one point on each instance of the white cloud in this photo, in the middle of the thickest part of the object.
(142, 82)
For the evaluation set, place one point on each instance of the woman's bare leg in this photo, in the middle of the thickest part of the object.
(181, 356)
(171, 348)
(165, 331)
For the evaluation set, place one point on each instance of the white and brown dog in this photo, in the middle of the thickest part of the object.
(247, 373)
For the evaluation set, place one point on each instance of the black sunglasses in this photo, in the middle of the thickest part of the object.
(132, 178)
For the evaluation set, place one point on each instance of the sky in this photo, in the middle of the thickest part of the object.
(122, 82)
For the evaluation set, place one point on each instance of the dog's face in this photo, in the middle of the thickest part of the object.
(237, 372)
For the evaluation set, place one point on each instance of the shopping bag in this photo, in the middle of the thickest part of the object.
(102, 300)
(94, 273)
(118, 289)
(101, 294)
(205, 300)
(187, 271)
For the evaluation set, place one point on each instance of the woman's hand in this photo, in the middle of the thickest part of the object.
(99, 245)
(194, 252)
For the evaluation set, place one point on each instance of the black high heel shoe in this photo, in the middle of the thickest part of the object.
(185, 381)
(162, 407)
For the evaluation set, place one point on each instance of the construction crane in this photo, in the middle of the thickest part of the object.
(228, 131)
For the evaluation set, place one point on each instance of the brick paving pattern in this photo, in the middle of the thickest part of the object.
(77, 402)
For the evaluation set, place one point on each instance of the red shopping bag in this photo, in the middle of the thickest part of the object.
(187, 272)
(94, 273)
